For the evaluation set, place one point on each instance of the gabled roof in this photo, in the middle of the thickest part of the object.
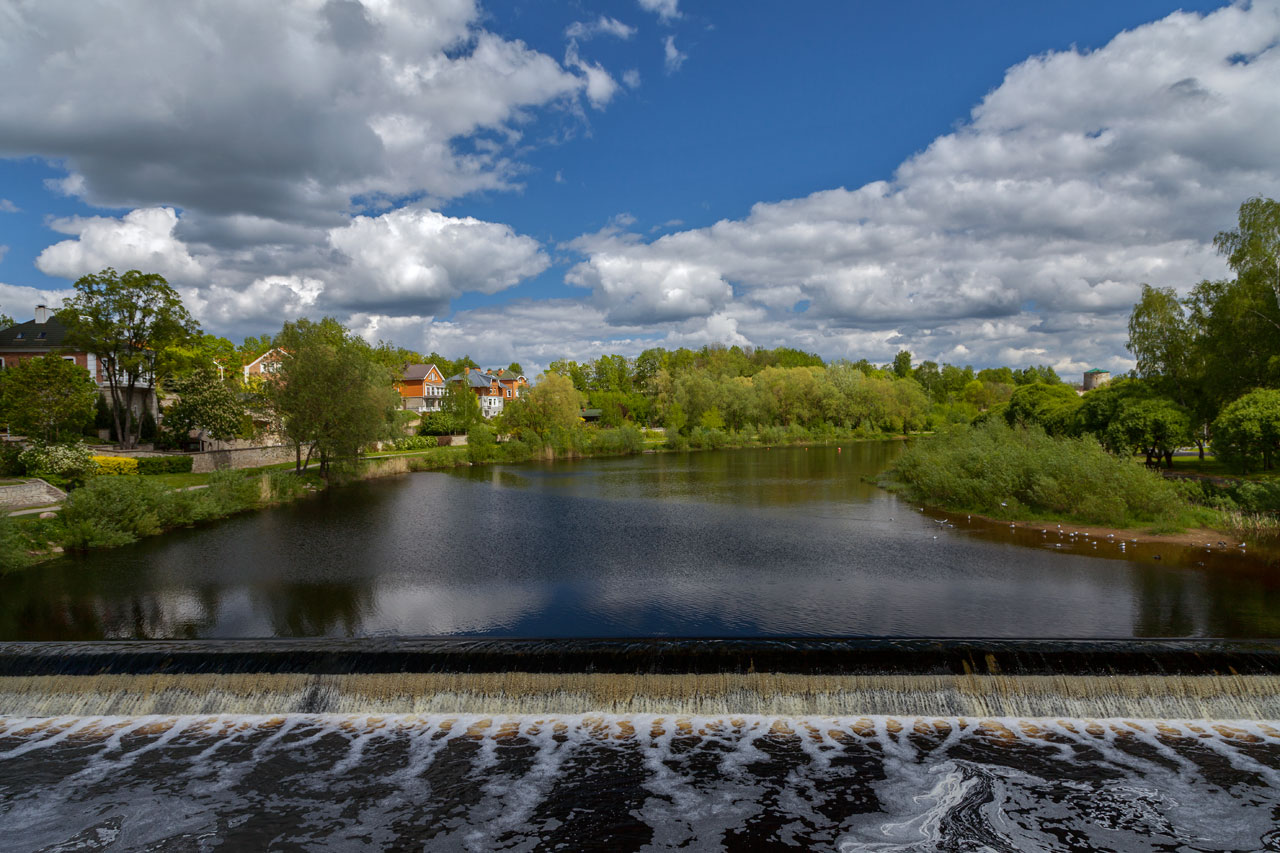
(508, 376)
(32, 335)
(414, 372)
(264, 355)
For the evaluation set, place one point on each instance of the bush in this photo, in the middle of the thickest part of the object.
(482, 443)
(115, 466)
(9, 464)
(111, 511)
(415, 442)
(437, 423)
(1010, 472)
(165, 464)
(63, 464)
(13, 549)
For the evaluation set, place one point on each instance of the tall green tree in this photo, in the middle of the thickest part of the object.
(332, 395)
(47, 398)
(134, 323)
(461, 406)
(1253, 246)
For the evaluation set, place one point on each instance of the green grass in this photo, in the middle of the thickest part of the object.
(177, 481)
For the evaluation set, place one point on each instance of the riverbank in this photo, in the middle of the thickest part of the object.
(112, 511)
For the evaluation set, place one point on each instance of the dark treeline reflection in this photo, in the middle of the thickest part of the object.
(742, 543)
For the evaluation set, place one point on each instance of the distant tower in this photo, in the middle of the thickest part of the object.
(1096, 377)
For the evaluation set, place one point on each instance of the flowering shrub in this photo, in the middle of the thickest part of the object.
(68, 463)
(115, 466)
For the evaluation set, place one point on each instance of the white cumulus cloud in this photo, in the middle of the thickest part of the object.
(143, 239)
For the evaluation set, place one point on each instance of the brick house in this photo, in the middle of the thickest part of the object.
(488, 389)
(267, 363)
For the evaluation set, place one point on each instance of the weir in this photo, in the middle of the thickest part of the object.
(1141, 679)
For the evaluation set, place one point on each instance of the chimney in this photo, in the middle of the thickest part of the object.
(42, 313)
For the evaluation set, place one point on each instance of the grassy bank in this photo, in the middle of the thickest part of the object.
(1013, 473)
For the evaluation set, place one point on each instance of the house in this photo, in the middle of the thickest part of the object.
(1095, 378)
(265, 364)
(513, 384)
(421, 387)
(487, 387)
(45, 334)
(41, 336)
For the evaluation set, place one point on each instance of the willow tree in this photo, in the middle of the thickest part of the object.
(132, 323)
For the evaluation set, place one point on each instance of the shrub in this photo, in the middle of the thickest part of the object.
(111, 511)
(165, 464)
(481, 443)
(414, 442)
(9, 464)
(115, 466)
(13, 549)
(68, 464)
(1008, 472)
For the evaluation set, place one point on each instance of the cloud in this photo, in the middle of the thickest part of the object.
(601, 87)
(283, 110)
(631, 77)
(664, 9)
(583, 30)
(418, 260)
(143, 239)
(7, 206)
(672, 58)
(1023, 234)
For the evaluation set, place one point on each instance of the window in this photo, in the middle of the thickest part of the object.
(70, 358)
(19, 336)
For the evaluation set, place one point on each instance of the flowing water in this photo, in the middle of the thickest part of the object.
(648, 782)
(745, 543)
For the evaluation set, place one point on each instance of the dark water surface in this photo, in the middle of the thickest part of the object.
(785, 541)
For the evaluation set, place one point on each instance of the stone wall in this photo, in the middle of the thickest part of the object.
(30, 493)
(246, 457)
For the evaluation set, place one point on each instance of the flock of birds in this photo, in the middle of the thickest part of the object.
(1077, 537)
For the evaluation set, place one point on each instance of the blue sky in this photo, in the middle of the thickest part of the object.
(979, 183)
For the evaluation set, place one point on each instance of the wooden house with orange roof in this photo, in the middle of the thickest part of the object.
(421, 387)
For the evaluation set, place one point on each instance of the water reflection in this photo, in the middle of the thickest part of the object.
(741, 543)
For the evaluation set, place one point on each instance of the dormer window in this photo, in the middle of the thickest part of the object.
(19, 336)
(40, 336)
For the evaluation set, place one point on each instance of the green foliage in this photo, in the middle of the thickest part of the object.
(553, 403)
(461, 407)
(13, 547)
(205, 403)
(47, 398)
(111, 511)
(1247, 433)
(1050, 407)
(1129, 416)
(331, 394)
(481, 443)
(437, 423)
(165, 464)
(1014, 472)
(414, 442)
(60, 464)
(136, 326)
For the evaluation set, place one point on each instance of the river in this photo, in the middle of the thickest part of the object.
(738, 543)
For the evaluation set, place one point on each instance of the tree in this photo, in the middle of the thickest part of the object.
(902, 364)
(1160, 337)
(332, 395)
(1253, 247)
(1051, 406)
(47, 398)
(205, 403)
(1247, 433)
(461, 406)
(551, 404)
(133, 323)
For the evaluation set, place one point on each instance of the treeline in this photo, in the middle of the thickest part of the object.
(1208, 365)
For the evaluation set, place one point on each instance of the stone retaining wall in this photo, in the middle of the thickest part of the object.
(30, 493)
(247, 457)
